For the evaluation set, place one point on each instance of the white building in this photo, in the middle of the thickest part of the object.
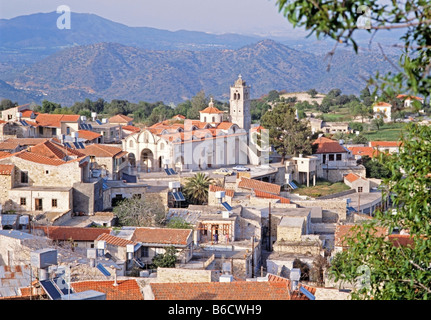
(382, 110)
(185, 144)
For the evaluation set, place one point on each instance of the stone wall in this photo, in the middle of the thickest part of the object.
(176, 275)
(337, 174)
(86, 198)
(62, 197)
(6, 185)
(338, 206)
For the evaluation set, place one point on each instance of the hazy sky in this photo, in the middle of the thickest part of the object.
(217, 16)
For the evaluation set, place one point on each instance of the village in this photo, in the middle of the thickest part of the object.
(256, 237)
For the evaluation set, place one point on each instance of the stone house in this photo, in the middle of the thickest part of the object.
(360, 184)
(76, 237)
(386, 146)
(334, 160)
(154, 241)
(110, 159)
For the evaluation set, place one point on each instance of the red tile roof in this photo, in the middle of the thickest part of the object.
(6, 169)
(382, 104)
(259, 185)
(100, 150)
(237, 290)
(325, 145)
(364, 151)
(131, 128)
(211, 110)
(27, 141)
(342, 232)
(37, 158)
(402, 96)
(351, 177)
(126, 289)
(88, 135)
(178, 116)
(113, 240)
(26, 113)
(266, 195)
(162, 236)
(389, 144)
(75, 233)
(120, 118)
(402, 240)
(49, 150)
(55, 120)
(228, 192)
(9, 145)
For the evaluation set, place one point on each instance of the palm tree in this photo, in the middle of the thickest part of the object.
(196, 188)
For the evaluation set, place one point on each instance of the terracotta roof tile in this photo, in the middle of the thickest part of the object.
(55, 120)
(100, 150)
(88, 135)
(389, 144)
(120, 118)
(49, 150)
(402, 240)
(325, 145)
(237, 290)
(131, 128)
(113, 240)
(27, 141)
(211, 110)
(342, 232)
(402, 96)
(351, 177)
(6, 169)
(259, 185)
(162, 235)
(75, 233)
(126, 289)
(228, 192)
(9, 145)
(382, 104)
(364, 151)
(266, 195)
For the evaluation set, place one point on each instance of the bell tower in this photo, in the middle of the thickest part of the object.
(240, 104)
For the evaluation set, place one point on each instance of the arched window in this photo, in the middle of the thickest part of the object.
(146, 137)
(239, 96)
(234, 96)
(131, 143)
(213, 119)
(162, 146)
(205, 119)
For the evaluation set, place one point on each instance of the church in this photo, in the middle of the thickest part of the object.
(215, 140)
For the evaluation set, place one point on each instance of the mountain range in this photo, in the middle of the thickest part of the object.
(99, 58)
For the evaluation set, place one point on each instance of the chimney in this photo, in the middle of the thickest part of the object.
(295, 276)
(93, 116)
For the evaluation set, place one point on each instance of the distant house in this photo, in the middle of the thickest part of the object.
(110, 158)
(155, 241)
(359, 152)
(75, 236)
(334, 160)
(382, 110)
(386, 146)
(121, 119)
(89, 137)
(408, 100)
(360, 184)
(344, 232)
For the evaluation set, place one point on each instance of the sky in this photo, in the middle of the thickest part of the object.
(215, 16)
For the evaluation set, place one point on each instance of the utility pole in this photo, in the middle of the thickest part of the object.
(269, 228)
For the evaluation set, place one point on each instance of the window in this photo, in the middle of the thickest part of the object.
(54, 131)
(338, 157)
(9, 117)
(331, 157)
(23, 201)
(131, 143)
(46, 171)
(213, 119)
(40, 130)
(68, 130)
(38, 204)
(24, 176)
(162, 146)
(360, 189)
(54, 203)
(144, 252)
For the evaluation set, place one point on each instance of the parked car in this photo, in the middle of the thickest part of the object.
(241, 168)
(224, 171)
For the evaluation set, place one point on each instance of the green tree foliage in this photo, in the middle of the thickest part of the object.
(148, 211)
(377, 123)
(179, 223)
(198, 102)
(7, 104)
(287, 135)
(360, 139)
(374, 168)
(396, 271)
(312, 93)
(258, 108)
(196, 188)
(165, 260)
(273, 95)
